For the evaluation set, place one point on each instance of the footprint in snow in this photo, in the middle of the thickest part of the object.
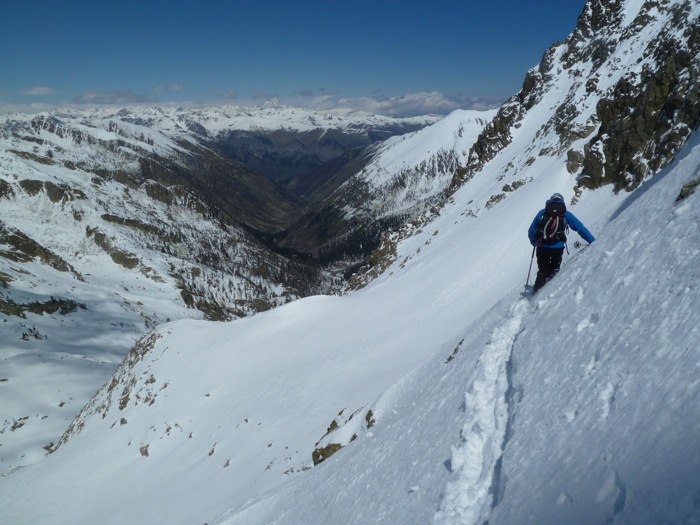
(587, 323)
(607, 397)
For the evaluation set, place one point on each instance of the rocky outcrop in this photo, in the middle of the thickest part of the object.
(648, 116)
(627, 84)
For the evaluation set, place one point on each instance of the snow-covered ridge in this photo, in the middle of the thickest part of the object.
(214, 120)
(274, 116)
(409, 173)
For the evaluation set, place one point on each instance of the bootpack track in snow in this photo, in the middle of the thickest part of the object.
(469, 498)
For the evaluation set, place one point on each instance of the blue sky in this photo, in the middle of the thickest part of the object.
(391, 57)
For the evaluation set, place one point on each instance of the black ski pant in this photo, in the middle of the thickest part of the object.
(548, 264)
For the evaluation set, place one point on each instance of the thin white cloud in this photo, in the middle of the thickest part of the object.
(111, 97)
(28, 108)
(408, 105)
(40, 90)
(320, 99)
(175, 86)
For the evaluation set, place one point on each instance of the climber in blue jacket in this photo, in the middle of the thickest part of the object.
(547, 234)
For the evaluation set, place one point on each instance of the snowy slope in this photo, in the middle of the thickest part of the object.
(120, 287)
(455, 399)
(610, 425)
(70, 177)
(409, 173)
(51, 363)
(579, 406)
(581, 386)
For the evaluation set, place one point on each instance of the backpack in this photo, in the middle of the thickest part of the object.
(552, 226)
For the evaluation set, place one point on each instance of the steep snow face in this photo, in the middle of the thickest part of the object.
(605, 399)
(580, 405)
(409, 173)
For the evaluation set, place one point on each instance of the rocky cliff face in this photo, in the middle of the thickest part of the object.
(630, 78)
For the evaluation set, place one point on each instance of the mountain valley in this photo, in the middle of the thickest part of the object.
(273, 315)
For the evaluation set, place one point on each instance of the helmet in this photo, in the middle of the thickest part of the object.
(556, 197)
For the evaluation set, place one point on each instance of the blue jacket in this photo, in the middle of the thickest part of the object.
(571, 221)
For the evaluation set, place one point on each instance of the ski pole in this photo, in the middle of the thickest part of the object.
(528, 272)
